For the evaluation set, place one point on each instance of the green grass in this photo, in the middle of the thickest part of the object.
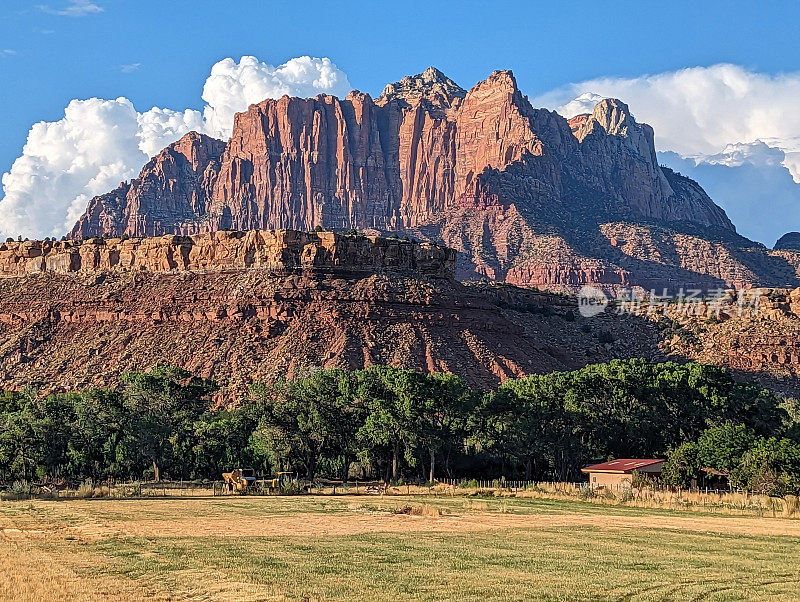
(625, 553)
(549, 564)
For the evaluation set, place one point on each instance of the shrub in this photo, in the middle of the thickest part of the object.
(790, 505)
(291, 488)
(606, 494)
(640, 481)
(770, 467)
(20, 488)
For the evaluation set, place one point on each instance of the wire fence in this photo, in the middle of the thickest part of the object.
(263, 486)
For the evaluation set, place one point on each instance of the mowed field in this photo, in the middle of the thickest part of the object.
(347, 547)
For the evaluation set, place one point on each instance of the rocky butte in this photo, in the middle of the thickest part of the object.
(240, 307)
(525, 196)
(245, 306)
(210, 259)
(281, 250)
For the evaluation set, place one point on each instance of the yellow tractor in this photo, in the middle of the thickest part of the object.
(239, 481)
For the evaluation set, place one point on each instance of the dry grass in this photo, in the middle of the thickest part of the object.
(388, 548)
(737, 504)
(734, 504)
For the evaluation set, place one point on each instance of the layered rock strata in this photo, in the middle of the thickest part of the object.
(273, 250)
(241, 307)
(520, 192)
(61, 331)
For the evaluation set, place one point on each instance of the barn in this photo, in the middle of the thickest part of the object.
(617, 473)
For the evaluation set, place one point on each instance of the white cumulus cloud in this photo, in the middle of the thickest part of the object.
(99, 143)
(757, 154)
(232, 86)
(584, 103)
(158, 128)
(701, 110)
(752, 185)
(735, 131)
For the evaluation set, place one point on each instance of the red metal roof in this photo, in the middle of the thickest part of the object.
(621, 465)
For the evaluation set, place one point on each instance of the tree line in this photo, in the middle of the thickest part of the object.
(748, 461)
(390, 423)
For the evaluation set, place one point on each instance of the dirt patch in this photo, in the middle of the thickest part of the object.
(204, 520)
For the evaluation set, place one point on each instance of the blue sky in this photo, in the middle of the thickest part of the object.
(160, 53)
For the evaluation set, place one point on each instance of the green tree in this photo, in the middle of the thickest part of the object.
(770, 467)
(17, 440)
(682, 466)
(791, 424)
(535, 423)
(100, 425)
(164, 404)
(221, 442)
(35, 433)
(728, 448)
(447, 404)
(303, 421)
(723, 447)
(392, 400)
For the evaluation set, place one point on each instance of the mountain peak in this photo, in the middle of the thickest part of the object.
(482, 171)
(613, 115)
(432, 74)
(615, 119)
(503, 75)
(789, 241)
(197, 148)
(431, 84)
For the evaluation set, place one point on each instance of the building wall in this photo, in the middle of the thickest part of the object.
(608, 479)
(616, 480)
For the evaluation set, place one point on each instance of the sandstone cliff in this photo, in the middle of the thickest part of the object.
(258, 305)
(172, 189)
(520, 192)
(304, 300)
(280, 250)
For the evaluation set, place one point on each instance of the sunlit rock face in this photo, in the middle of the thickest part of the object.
(523, 194)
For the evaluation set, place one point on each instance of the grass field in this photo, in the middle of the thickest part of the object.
(388, 549)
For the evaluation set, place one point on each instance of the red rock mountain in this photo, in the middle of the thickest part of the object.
(240, 307)
(525, 195)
